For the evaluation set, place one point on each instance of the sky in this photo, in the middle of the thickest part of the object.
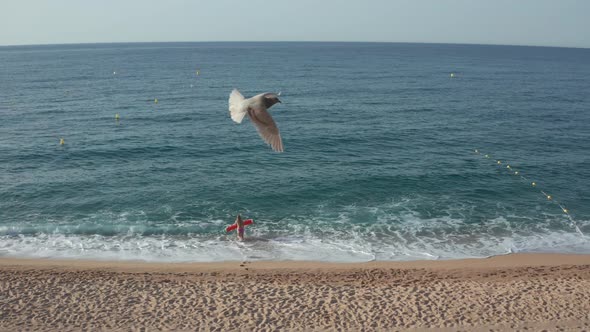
(510, 22)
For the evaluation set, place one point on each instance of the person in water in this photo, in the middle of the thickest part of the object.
(240, 223)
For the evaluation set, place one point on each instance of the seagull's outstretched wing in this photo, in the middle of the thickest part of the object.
(236, 106)
(267, 129)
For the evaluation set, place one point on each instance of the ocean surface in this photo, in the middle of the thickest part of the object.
(379, 160)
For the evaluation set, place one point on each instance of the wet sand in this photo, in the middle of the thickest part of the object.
(512, 292)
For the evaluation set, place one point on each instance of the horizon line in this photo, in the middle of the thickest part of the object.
(286, 41)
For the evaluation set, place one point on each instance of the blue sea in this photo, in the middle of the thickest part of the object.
(379, 162)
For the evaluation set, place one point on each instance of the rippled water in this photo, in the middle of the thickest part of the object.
(379, 158)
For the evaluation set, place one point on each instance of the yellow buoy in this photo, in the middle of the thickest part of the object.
(533, 184)
(487, 155)
(476, 151)
(499, 162)
(156, 100)
(452, 74)
(565, 211)
(508, 166)
(117, 116)
(197, 72)
(62, 141)
(549, 197)
(516, 173)
(114, 73)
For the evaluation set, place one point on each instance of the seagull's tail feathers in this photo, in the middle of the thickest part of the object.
(237, 109)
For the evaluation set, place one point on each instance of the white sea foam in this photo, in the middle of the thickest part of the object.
(394, 231)
(289, 247)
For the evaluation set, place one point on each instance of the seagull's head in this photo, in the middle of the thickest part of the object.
(270, 99)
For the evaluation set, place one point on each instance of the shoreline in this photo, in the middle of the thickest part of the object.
(514, 291)
(496, 261)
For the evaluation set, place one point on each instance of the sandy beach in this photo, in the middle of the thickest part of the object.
(521, 291)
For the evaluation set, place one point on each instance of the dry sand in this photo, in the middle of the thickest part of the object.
(514, 292)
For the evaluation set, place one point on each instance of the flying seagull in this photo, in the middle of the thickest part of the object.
(257, 109)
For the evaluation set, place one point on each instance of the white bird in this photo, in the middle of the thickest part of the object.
(257, 109)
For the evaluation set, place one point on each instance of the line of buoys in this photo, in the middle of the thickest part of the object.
(534, 185)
